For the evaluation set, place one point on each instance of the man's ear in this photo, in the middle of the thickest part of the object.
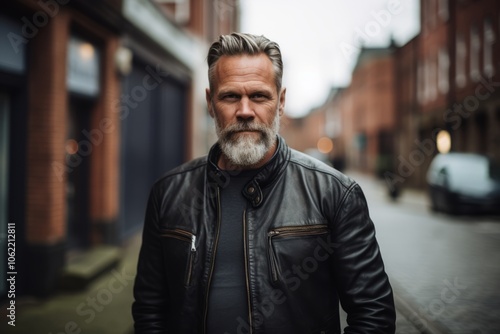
(208, 97)
(282, 101)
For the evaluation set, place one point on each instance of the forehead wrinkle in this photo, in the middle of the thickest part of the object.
(244, 90)
(237, 69)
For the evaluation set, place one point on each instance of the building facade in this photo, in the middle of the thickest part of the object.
(457, 79)
(96, 102)
(444, 79)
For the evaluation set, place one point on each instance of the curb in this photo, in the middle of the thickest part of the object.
(409, 310)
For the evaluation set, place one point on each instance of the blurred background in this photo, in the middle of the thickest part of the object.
(99, 98)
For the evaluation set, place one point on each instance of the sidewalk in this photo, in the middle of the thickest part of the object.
(104, 307)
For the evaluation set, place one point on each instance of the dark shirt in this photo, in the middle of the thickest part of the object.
(228, 301)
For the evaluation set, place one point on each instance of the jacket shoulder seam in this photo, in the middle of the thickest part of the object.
(346, 186)
(344, 198)
(176, 171)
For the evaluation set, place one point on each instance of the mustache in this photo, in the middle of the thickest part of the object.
(243, 125)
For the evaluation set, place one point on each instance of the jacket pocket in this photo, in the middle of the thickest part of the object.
(289, 232)
(189, 241)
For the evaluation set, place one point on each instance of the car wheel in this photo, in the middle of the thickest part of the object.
(447, 203)
(434, 204)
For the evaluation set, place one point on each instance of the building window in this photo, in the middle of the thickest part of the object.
(432, 14)
(443, 70)
(420, 83)
(475, 49)
(461, 57)
(179, 8)
(427, 80)
(83, 67)
(488, 47)
(433, 78)
(443, 10)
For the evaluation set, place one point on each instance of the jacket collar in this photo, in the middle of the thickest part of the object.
(266, 175)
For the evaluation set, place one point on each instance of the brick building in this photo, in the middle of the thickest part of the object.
(373, 112)
(360, 119)
(407, 107)
(445, 78)
(458, 66)
(96, 102)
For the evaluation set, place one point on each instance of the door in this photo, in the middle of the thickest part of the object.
(78, 157)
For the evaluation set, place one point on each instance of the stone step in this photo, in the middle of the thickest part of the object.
(89, 265)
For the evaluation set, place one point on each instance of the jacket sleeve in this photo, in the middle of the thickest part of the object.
(362, 284)
(150, 290)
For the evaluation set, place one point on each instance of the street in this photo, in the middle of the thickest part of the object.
(444, 269)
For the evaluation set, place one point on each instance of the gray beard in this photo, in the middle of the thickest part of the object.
(246, 150)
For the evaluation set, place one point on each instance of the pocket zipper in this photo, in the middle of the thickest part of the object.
(188, 237)
(289, 231)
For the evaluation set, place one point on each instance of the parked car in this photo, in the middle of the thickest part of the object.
(464, 183)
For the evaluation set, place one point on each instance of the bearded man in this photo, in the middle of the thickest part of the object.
(257, 237)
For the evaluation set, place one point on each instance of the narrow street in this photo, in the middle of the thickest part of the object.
(444, 269)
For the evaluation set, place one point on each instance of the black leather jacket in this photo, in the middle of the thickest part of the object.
(309, 242)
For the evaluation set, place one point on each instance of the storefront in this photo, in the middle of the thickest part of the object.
(12, 140)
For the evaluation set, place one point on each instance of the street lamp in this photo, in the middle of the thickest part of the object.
(325, 145)
(443, 141)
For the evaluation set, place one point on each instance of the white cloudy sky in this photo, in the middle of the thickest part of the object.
(312, 33)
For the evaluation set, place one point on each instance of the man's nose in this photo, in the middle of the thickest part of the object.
(245, 109)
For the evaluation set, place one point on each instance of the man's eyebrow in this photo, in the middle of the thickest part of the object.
(259, 90)
(226, 91)
(262, 92)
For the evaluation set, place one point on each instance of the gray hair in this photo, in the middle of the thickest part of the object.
(241, 43)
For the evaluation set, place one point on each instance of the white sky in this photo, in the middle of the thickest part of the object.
(312, 33)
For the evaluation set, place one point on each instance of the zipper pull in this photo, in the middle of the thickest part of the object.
(193, 243)
(273, 233)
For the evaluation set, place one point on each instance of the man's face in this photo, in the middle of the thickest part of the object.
(246, 107)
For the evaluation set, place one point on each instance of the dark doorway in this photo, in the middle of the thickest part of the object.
(78, 157)
(152, 139)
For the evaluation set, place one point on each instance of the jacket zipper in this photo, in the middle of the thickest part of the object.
(289, 231)
(191, 260)
(212, 264)
(187, 237)
(245, 249)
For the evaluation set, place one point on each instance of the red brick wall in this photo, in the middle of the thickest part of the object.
(474, 12)
(47, 131)
(104, 173)
(47, 110)
(373, 111)
(434, 37)
(105, 122)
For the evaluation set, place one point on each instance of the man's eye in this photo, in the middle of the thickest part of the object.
(230, 97)
(259, 97)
